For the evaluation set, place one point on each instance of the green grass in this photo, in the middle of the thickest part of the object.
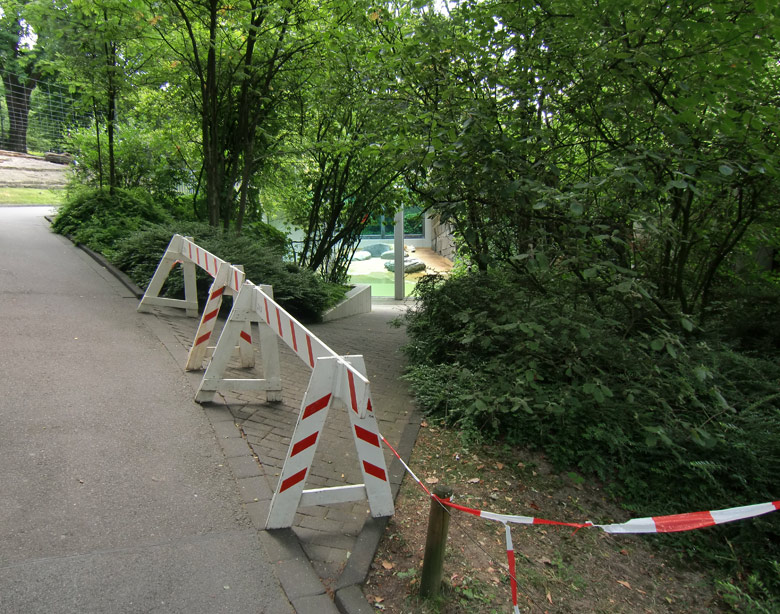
(31, 196)
(382, 284)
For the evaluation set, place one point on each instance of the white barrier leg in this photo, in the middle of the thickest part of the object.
(369, 451)
(152, 295)
(212, 379)
(190, 288)
(207, 320)
(269, 348)
(245, 351)
(314, 410)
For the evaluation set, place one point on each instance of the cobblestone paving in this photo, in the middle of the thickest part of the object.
(326, 533)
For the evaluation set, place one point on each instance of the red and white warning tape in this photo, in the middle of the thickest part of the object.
(689, 521)
(654, 524)
(510, 558)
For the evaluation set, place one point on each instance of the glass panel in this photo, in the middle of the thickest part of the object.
(382, 227)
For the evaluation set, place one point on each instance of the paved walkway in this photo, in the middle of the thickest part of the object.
(335, 543)
(121, 494)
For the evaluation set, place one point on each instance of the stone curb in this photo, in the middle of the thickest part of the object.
(349, 597)
(101, 260)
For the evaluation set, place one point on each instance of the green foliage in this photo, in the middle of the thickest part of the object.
(532, 119)
(344, 155)
(672, 419)
(299, 291)
(144, 158)
(98, 220)
(743, 600)
(133, 231)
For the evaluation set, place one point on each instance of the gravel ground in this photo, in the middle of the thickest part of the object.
(24, 171)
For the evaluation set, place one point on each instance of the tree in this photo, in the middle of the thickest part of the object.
(569, 139)
(347, 152)
(687, 157)
(20, 73)
(100, 48)
(237, 58)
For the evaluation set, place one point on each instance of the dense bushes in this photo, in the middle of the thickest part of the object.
(671, 418)
(299, 291)
(132, 231)
(144, 158)
(98, 220)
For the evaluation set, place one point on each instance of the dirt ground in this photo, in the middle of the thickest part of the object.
(25, 171)
(559, 570)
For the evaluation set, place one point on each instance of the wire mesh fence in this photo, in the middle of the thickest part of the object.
(52, 112)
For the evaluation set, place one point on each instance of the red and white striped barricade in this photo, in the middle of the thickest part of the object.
(174, 254)
(334, 379)
(227, 279)
(235, 332)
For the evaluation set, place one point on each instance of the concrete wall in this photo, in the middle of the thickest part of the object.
(357, 300)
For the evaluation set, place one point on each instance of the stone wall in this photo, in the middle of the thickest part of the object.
(442, 241)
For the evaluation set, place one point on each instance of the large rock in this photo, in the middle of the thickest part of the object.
(58, 158)
(361, 255)
(376, 249)
(411, 265)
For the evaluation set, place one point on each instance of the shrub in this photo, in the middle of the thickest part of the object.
(299, 291)
(132, 231)
(144, 158)
(98, 220)
(670, 417)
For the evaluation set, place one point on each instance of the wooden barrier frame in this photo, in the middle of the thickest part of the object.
(228, 279)
(173, 255)
(334, 379)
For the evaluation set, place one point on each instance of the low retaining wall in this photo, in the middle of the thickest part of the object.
(357, 300)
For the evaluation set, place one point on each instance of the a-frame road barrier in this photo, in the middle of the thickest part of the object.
(227, 279)
(334, 380)
(242, 315)
(175, 253)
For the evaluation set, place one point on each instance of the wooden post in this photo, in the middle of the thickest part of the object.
(435, 544)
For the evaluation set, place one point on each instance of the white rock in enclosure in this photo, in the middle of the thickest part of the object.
(376, 249)
(411, 265)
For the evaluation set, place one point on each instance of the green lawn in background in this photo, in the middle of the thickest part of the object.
(31, 196)
(382, 283)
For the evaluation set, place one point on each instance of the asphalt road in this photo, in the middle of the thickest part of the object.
(114, 493)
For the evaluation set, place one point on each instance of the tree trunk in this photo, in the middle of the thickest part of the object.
(97, 140)
(211, 144)
(17, 98)
(249, 151)
(110, 123)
